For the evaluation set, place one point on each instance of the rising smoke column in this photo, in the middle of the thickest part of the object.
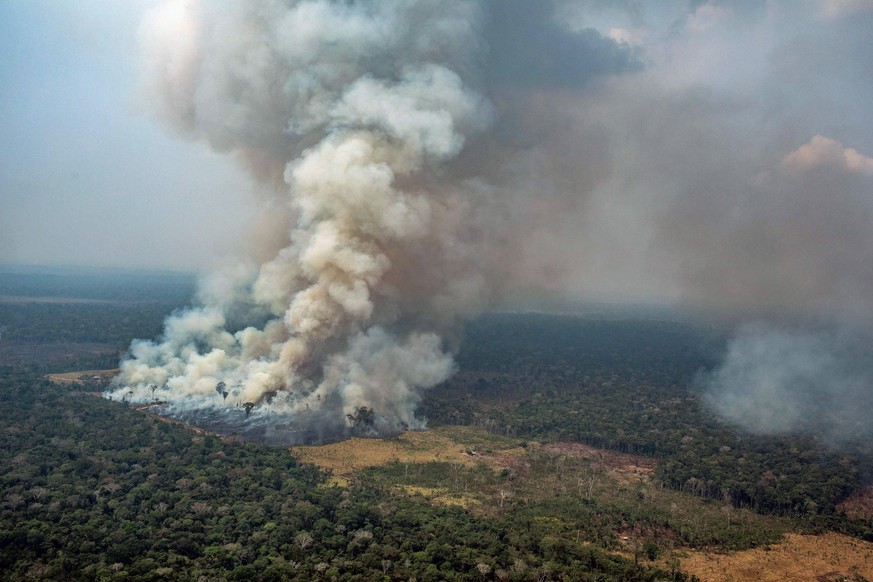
(399, 198)
(347, 114)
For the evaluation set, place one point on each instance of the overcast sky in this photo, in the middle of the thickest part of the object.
(714, 151)
(87, 177)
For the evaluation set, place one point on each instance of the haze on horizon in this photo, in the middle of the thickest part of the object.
(717, 152)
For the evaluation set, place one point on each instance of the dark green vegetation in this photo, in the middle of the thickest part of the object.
(96, 284)
(113, 324)
(626, 386)
(92, 489)
(555, 493)
(60, 319)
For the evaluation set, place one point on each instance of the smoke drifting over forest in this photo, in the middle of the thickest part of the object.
(417, 160)
(777, 381)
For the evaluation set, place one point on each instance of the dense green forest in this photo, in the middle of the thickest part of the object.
(57, 319)
(98, 284)
(92, 489)
(107, 323)
(629, 386)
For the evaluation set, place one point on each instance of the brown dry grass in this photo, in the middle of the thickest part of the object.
(350, 456)
(625, 469)
(821, 558)
(440, 496)
(450, 444)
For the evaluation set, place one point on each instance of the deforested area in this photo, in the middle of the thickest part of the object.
(436, 290)
(564, 445)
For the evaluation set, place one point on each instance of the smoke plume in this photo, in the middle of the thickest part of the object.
(782, 381)
(346, 113)
(417, 159)
(379, 237)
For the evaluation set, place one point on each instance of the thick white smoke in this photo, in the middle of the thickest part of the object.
(420, 157)
(347, 114)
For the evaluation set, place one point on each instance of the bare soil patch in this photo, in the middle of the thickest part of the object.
(821, 558)
(350, 456)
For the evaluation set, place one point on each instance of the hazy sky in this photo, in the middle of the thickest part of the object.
(86, 177)
(717, 151)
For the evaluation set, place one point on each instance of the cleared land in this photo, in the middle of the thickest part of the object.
(84, 376)
(860, 505)
(445, 444)
(539, 471)
(822, 558)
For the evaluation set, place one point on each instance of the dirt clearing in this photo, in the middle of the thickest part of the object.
(822, 558)
(347, 457)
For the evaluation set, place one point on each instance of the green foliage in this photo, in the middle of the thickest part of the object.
(565, 498)
(625, 385)
(92, 489)
(62, 319)
(106, 323)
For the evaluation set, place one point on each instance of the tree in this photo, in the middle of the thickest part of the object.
(303, 540)
(362, 420)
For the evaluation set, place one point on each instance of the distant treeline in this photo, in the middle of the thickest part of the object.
(111, 285)
(106, 323)
(628, 386)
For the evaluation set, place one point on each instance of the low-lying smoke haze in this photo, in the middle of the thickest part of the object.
(414, 162)
(780, 381)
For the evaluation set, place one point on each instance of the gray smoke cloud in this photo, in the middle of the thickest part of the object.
(380, 235)
(417, 160)
(776, 381)
(344, 113)
(732, 172)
